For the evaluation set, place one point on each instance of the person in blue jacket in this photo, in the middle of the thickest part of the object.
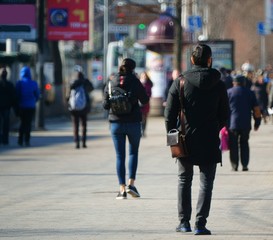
(28, 94)
(243, 106)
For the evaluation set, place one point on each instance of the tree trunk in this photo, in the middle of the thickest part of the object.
(178, 41)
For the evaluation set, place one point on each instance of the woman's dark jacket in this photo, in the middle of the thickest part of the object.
(88, 87)
(138, 94)
(206, 109)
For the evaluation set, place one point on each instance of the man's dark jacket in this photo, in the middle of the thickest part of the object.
(206, 109)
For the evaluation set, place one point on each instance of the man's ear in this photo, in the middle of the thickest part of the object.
(192, 61)
(210, 62)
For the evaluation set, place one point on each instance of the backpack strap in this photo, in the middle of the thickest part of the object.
(109, 88)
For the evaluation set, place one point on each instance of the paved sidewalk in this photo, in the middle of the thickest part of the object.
(54, 191)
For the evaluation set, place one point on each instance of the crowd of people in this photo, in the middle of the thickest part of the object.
(259, 81)
(212, 100)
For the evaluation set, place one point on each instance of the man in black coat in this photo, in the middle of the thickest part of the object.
(207, 111)
(7, 101)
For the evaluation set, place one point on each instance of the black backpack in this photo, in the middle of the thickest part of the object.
(119, 99)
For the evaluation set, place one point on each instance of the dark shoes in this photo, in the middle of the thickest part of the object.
(245, 169)
(132, 191)
(78, 145)
(201, 231)
(121, 195)
(184, 227)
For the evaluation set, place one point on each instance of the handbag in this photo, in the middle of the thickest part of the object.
(224, 139)
(176, 138)
(177, 143)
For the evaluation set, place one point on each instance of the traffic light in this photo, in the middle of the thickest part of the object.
(141, 26)
(120, 18)
(49, 93)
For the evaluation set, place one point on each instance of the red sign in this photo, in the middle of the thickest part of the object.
(68, 20)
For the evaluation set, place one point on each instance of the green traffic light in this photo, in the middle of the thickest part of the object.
(141, 26)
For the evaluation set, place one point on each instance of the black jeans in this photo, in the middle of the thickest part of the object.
(4, 126)
(185, 176)
(77, 117)
(238, 142)
(26, 116)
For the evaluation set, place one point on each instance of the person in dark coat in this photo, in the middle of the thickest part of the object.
(260, 88)
(207, 111)
(126, 126)
(145, 109)
(243, 104)
(80, 116)
(7, 101)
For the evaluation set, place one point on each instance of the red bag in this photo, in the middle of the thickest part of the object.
(224, 139)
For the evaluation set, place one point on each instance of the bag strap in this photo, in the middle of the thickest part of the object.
(181, 96)
(109, 88)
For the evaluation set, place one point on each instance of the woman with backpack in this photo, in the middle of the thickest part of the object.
(125, 124)
(79, 105)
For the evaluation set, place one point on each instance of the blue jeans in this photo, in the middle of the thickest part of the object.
(185, 176)
(119, 133)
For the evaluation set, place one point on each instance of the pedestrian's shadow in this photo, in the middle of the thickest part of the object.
(45, 141)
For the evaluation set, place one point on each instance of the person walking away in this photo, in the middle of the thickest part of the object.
(79, 113)
(226, 78)
(128, 125)
(7, 101)
(28, 94)
(145, 109)
(261, 92)
(175, 74)
(206, 111)
(248, 72)
(243, 104)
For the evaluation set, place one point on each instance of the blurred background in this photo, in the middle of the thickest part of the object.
(52, 36)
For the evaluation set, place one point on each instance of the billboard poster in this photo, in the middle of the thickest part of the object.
(18, 19)
(68, 20)
(222, 53)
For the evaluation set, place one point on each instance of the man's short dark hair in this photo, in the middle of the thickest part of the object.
(201, 54)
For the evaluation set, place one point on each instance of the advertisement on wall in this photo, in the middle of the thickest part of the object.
(18, 19)
(68, 20)
(222, 53)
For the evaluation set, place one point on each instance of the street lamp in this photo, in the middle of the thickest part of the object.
(105, 38)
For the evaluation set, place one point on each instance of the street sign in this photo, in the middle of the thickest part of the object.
(194, 23)
(117, 28)
(262, 29)
(130, 14)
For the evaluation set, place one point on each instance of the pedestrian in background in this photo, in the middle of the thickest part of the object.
(260, 89)
(80, 116)
(248, 72)
(270, 88)
(7, 101)
(126, 126)
(145, 109)
(226, 78)
(28, 94)
(175, 74)
(243, 105)
(206, 111)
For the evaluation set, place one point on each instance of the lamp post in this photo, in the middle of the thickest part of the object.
(105, 38)
(39, 120)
